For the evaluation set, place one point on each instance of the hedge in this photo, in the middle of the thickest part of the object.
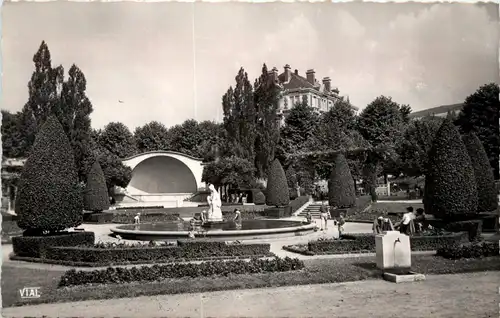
(259, 199)
(146, 254)
(38, 246)
(472, 227)
(486, 191)
(299, 202)
(141, 207)
(48, 196)
(277, 187)
(471, 250)
(341, 192)
(120, 275)
(359, 243)
(153, 217)
(100, 217)
(450, 183)
(96, 197)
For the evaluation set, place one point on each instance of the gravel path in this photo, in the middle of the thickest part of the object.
(453, 296)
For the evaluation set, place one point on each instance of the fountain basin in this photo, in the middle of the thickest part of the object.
(225, 231)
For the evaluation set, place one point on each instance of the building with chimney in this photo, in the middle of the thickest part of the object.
(320, 95)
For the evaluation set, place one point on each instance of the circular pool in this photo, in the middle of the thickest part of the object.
(225, 231)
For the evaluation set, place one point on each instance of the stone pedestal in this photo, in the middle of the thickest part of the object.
(393, 250)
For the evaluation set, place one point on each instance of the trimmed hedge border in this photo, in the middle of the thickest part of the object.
(365, 243)
(95, 256)
(153, 217)
(472, 227)
(161, 272)
(39, 246)
(100, 218)
(298, 202)
(470, 250)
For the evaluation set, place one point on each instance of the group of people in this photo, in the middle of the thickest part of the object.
(325, 215)
(411, 222)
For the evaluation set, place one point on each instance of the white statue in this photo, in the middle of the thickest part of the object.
(215, 204)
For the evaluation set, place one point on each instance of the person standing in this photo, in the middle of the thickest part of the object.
(324, 214)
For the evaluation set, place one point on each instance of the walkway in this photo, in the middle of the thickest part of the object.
(444, 296)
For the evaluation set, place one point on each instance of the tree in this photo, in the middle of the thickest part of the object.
(450, 184)
(96, 195)
(480, 115)
(231, 171)
(74, 114)
(117, 139)
(381, 123)
(486, 190)
(277, 190)
(239, 116)
(266, 101)
(11, 137)
(414, 148)
(48, 198)
(152, 136)
(44, 88)
(341, 192)
(115, 172)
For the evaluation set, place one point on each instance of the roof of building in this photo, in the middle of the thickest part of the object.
(296, 81)
(436, 110)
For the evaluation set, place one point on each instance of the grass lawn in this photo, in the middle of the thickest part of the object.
(316, 272)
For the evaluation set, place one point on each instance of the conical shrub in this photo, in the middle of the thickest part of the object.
(96, 196)
(341, 192)
(277, 187)
(450, 184)
(48, 196)
(485, 182)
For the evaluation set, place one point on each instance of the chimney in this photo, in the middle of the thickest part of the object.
(288, 73)
(310, 77)
(327, 82)
(296, 72)
(273, 74)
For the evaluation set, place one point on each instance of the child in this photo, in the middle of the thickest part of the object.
(137, 218)
(308, 217)
(340, 224)
(192, 226)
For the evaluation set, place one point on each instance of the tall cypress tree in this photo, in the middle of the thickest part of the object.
(266, 100)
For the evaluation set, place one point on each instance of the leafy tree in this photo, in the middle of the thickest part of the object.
(414, 148)
(115, 172)
(486, 190)
(450, 184)
(277, 190)
(43, 100)
(291, 177)
(381, 123)
(152, 136)
(341, 192)
(117, 139)
(405, 111)
(11, 137)
(96, 195)
(232, 171)
(48, 198)
(239, 116)
(74, 115)
(480, 115)
(266, 100)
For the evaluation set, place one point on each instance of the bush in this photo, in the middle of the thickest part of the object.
(157, 272)
(277, 188)
(359, 243)
(450, 184)
(341, 192)
(299, 202)
(96, 197)
(259, 198)
(48, 197)
(37, 246)
(99, 218)
(188, 250)
(470, 250)
(486, 191)
(155, 207)
(472, 227)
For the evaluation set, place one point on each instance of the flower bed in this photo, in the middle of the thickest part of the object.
(470, 250)
(104, 254)
(38, 246)
(162, 272)
(365, 243)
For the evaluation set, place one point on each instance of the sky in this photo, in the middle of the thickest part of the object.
(173, 61)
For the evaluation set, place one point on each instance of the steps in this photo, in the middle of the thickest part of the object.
(314, 209)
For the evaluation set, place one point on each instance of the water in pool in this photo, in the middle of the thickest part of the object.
(225, 226)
